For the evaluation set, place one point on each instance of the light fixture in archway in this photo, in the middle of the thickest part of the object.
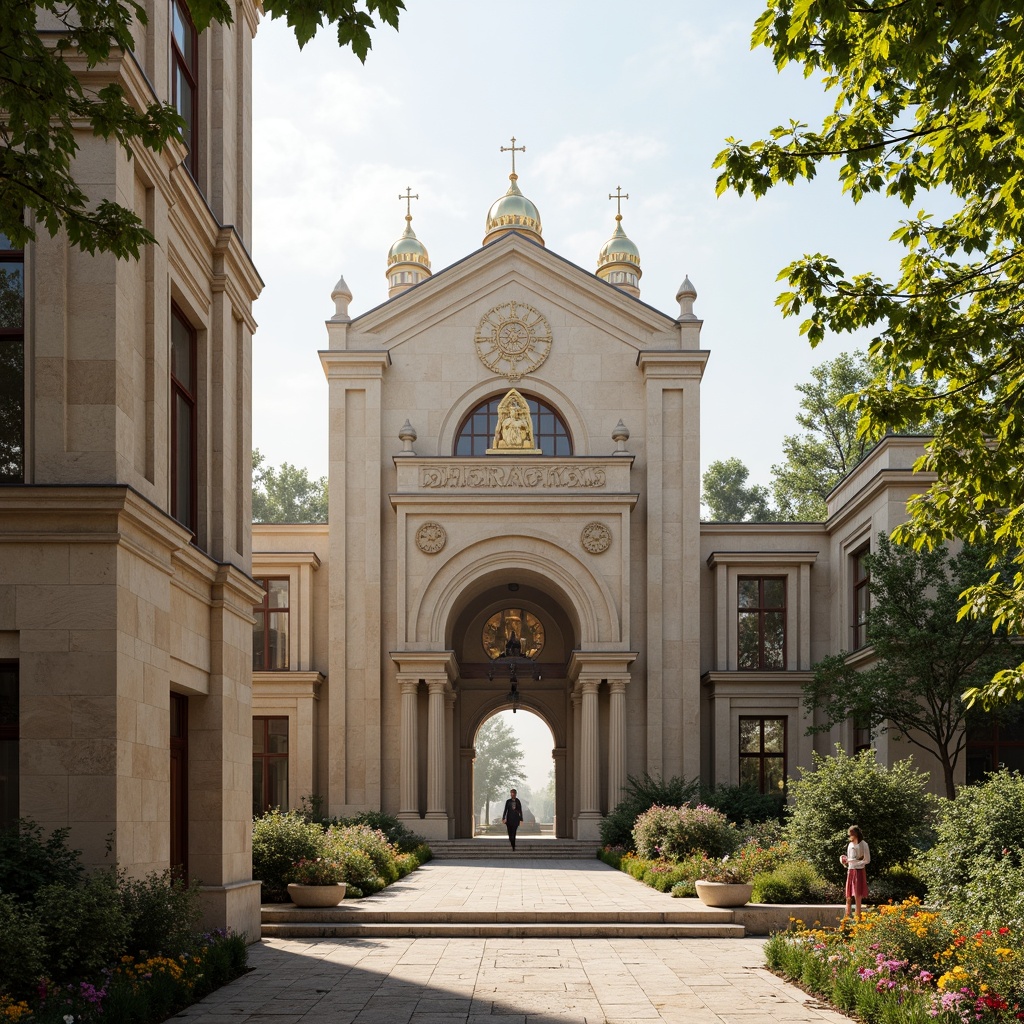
(512, 624)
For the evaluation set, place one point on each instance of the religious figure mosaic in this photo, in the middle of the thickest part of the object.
(501, 626)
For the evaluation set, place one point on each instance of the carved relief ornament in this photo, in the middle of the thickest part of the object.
(430, 538)
(596, 538)
(512, 339)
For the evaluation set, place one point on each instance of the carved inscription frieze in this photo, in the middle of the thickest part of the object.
(513, 475)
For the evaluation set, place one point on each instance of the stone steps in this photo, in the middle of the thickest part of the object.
(497, 848)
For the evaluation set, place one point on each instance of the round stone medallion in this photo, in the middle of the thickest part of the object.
(596, 537)
(430, 538)
(512, 339)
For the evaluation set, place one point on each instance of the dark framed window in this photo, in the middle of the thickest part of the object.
(184, 445)
(270, 632)
(861, 733)
(761, 622)
(763, 753)
(179, 784)
(861, 598)
(9, 771)
(185, 78)
(994, 742)
(476, 432)
(12, 363)
(269, 764)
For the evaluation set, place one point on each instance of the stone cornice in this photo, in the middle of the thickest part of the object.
(761, 558)
(421, 664)
(346, 364)
(669, 364)
(600, 664)
(287, 685)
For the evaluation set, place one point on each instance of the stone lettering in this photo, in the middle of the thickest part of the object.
(513, 475)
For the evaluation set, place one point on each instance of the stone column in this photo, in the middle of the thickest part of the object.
(590, 762)
(563, 819)
(449, 760)
(574, 809)
(436, 775)
(616, 740)
(409, 783)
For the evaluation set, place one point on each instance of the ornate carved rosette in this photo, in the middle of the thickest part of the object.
(512, 339)
(430, 538)
(596, 538)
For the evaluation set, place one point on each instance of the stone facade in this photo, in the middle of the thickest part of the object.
(125, 538)
(642, 668)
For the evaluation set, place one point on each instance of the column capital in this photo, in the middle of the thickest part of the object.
(617, 684)
(409, 684)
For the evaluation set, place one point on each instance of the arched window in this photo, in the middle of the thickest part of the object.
(476, 433)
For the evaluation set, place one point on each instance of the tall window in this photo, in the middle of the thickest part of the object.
(184, 449)
(476, 434)
(763, 754)
(761, 625)
(269, 764)
(270, 633)
(993, 743)
(179, 784)
(861, 602)
(185, 77)
(12, 363)
(9, 788)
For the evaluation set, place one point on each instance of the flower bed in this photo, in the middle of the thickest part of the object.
(906, 963)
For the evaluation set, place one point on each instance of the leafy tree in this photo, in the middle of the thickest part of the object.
(286, 495)
(925, 653)
(889, 804)
(499, 763)
(928, 97)
(727, 497)
(44, 102)
(829, 446)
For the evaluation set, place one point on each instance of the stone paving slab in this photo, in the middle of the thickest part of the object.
(507, 981)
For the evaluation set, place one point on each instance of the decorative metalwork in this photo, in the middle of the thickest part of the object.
(513, 339)
(500, 629)
(513, 624)
(430, 538)
(596, 538)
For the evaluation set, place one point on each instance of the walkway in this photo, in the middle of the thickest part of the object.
(510, 981)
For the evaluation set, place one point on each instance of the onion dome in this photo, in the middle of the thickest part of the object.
(513, 212)
(408, 261)
(618, 263)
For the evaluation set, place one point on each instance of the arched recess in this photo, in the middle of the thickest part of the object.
(528, 704)
(585, 596)
(553, 396)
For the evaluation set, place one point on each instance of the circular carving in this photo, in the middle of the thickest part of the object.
(596, 537)
(501, 625)
(430, 538)
(512, 339)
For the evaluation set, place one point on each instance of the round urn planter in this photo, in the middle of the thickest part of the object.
(316, 895)
(724, 894)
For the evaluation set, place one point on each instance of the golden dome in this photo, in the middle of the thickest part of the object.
(408, 262)
(618, 262)
(513, 212)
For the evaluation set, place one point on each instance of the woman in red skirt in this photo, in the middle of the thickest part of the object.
(856, 858)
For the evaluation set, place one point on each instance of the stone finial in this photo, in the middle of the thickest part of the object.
(342, 297)
(685, 296)
(407, 435)
(620, 435)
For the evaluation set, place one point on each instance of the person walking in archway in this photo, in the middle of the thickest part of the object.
(512, 817)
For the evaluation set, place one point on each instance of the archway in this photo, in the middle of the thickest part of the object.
(476, 633)
(514, 750)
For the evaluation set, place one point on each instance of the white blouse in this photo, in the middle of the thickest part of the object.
(858, 855)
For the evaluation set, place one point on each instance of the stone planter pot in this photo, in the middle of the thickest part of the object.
(316, 895)
(724, 894)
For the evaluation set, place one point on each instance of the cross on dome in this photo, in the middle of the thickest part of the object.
(618, 197)
(409, 197)
(513, 149)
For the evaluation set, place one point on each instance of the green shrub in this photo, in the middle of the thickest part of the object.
(279, 838)
(22, 948)
(162, 913)
(975, 867)
(792, 882)
(897, 884)
(83, 926)
(394, 830)
(678, 832)
(28, 861)
(686, 889)
(889, 804)
(744, 805)
(643, 792)
(369, 861)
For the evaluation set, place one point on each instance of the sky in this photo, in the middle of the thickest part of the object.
(602, 95)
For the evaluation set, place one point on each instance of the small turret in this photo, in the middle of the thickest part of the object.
(618, 263)
(408, 261)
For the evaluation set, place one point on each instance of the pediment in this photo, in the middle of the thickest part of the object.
(518, 269)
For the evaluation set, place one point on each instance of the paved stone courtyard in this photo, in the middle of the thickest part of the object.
(510, 981)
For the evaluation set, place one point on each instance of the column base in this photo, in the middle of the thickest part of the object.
(433, 826)
(588, 826)
(234, 907)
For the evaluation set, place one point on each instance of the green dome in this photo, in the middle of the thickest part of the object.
(513, 212)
